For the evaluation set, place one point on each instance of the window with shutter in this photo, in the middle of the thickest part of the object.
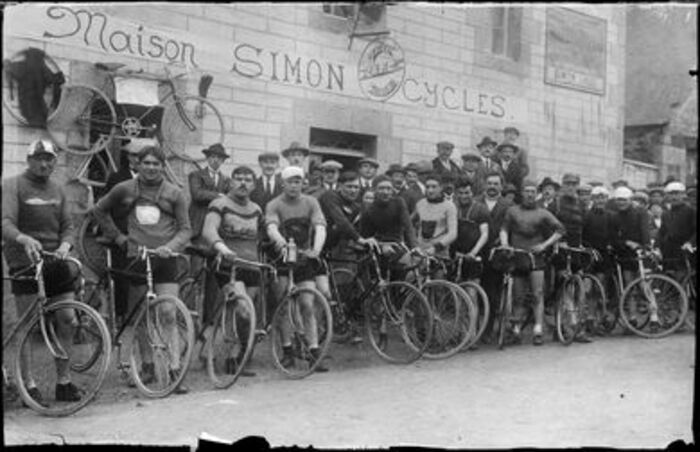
(506, 32)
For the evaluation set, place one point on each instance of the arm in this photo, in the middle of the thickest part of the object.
(409, 233)
(67, 231)
(505, 228)
(448, 238)
(103, 216)
(199, 194)
(210, 229)
(555, 225)
(332, 210)
(272, 220)
(319, 223)
(184, 230)
(10, 210)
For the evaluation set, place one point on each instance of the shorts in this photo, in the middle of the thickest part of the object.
(165, 270)
(59, 277)
(250, 278)
(471, 270)
(305, 270)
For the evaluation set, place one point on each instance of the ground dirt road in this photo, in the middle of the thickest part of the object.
(622, 392)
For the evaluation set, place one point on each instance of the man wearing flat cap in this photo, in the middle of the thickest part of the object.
(367, 167)
(330, 171)
(397, 174)
(474, 171)
(442, 163)
(512, 171)
(413, 179)
(269, 184)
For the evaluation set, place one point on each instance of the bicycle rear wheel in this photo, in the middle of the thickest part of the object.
(189, 125)
(36, 366)
(455, 317)
(603, 314)
(399, 322)
(85, 121)
(289, 328)
(569, 309)
(167, 332)
(349, 288)
(636, 309)
(481, 300)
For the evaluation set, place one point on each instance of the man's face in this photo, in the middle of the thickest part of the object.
(433, 190)
(269, 166)
(397, 179)
(444, 152)
(464, 195)
(569, 183)
(493, 186)
(507, 154)
(367, 170)
(292, 186)
(510, 136)
(529, 194)
(384, 191)
(656, 198)
(623, 203)
(675, 197)
(242, 185)
(486, 150)
(41, 165)
(368, 197)
(599, 201)
(215, 161)
(150, 168)
(296, 158)
(330, 176)
(548, 192)
(349, 189)
(470, 164)
(585, 197)
(411, 176)
(656, 210)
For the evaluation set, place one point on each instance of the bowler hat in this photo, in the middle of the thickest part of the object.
(369, 161)
(268, 156)
(548, 181)
(395, 168)
(511, 129)
(485, 142)
(471, 155)
(216, 149)
(570, 177)
(507, 145)
(295, 146)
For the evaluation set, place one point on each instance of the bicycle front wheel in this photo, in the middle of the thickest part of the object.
(455, 317)
(348, 287)
(598, 308)
(399, 322)
(653, 306)
(302, 319)
(232, 340)
(162, 346)
(84, 122)
(73, 333)
(690, 284)
(481, 300)
(189, 124)
(504, 312)
(569, 309)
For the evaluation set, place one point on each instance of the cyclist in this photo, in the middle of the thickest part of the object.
(435, 219)
(678, 229)
(527, 227)
(157, 218)
(298, 217)
(232, 228)
(472, 225)
(35, 218)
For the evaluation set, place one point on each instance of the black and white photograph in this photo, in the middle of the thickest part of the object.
(349, 225)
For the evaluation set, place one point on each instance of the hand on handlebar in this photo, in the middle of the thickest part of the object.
(310, 253)
(370, 242)
(163, 252)
(538, 248)
(32, 247)
(63, 250)
(687, 246)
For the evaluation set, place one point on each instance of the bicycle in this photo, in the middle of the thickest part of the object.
(397, 317)
(454, 309)
(690, 283)
(504, 259)
(145, 316)
(474, 290)
(652, 300)
(40, 346)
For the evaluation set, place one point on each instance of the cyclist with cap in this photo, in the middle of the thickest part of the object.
(298, 217)
(36, 218)
(596, 231)
(435, 219)
(528, 227)
(678, 229)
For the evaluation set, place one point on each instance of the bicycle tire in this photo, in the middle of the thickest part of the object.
(176, 135)
(91, 253)
(92, 298)
(288, 313)
(504, 312)
(483, 308)
(226, 337)
(85, 121)
(10, 99)
(400, 305)
(348, 287)
(568, 317)
(455, 315)
(603, 315)
(44, 362)
(690, 285)
(671, 315)
(162, 359)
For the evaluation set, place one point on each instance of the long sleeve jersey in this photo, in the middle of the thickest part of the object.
(388, 221)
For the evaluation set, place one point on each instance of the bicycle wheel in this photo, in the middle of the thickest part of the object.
(636, 308)
(85, 121)
(87, 332)
(481, 300)
(189, 125)
(603, 314)
(36, 366)
(399, 322)
(569, 313)
(163, 327)
(91, 253)
(288, 328)
(455, 317)
(504, 312)
(345, 309)
(690, 285)
(231, 342)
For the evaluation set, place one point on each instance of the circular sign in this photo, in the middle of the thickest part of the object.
(381, 69)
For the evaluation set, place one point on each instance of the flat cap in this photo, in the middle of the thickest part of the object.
(674, 186)
(268, 156)
(570, 177)
(584, 188)
(331, 165)
(620, 183)
(511, 129)
(502, 146)
(135, 145)
(471, 155)
(395, 168)
(600, 190)
(369, 161)
(446, 145)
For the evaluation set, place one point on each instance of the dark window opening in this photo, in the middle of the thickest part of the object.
(345, 147)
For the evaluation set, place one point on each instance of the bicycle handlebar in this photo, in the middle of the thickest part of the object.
(144, 251)
(514, 251)
(467, 256)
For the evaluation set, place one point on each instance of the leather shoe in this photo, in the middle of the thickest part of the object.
(315, 356)
(182, 388)
(537, 339)
(67, 393)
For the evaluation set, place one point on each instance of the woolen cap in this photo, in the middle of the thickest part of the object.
(216, 149)
(292, 171)
(41, 147)
(622, 193)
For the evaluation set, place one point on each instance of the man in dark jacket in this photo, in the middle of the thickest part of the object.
(269, 184)
(513, 173)
(442, 163)
(678, 229)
